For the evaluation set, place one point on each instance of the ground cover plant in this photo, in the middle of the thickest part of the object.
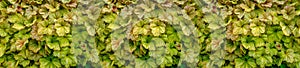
(149, 33)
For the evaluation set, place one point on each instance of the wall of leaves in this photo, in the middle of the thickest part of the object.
(149, 33)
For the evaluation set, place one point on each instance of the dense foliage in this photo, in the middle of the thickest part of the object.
(149, 33)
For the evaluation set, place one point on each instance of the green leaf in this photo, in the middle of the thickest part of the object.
(18, 57)
(261, 61)
(255, 54)
(296, 32)
(2, 50)
(150, 63)
(136, 30)
(146, 46)
(228, 66)
(62, 31)
(237, 30)
(34, 47)
(286, 39)
(158, 42)
(160, 1)
(10, 63)
(109, 18)
(56, 62)
(2, 59)
(286, 30)
(3, 4)
(288, 12)
(288, 45)
(68, 61)
(186, 31)
(287, 56)
(6, 39)
(240, 30)
(52, 8)
(44, 62)
(65, 1)
(18, 26)
(139, 63)
(165, 61)
(239, 63)
(271, 51)
(113, 26)
(247, 8)
(91, 31)
(271, 38)
(257, 30)
(260, 1)
(249, 45)
(230, 47)
(54, 46)
(156, 31)
(60, 54)
(64, 42)
(12, 1)
(157, 53)
(44, 30)
(33, 66)
(15, 18)
(143, 31)
(230, 57)
(25, 63)
(259, 42)
(21, 44)
(264, 61)
(214, 26)
(152, 46)
(173, 51)
(2, 33)
(251, 63)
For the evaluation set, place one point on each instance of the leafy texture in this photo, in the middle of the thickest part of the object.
(149, 33)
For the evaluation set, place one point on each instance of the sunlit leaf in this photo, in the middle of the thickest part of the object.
(65, 1)
(249, 45)
(2, 50)
(18, 26)
(61, 31)
(54, 46)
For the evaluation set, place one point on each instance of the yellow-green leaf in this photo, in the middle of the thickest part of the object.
(2, 50)
(18, 26)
